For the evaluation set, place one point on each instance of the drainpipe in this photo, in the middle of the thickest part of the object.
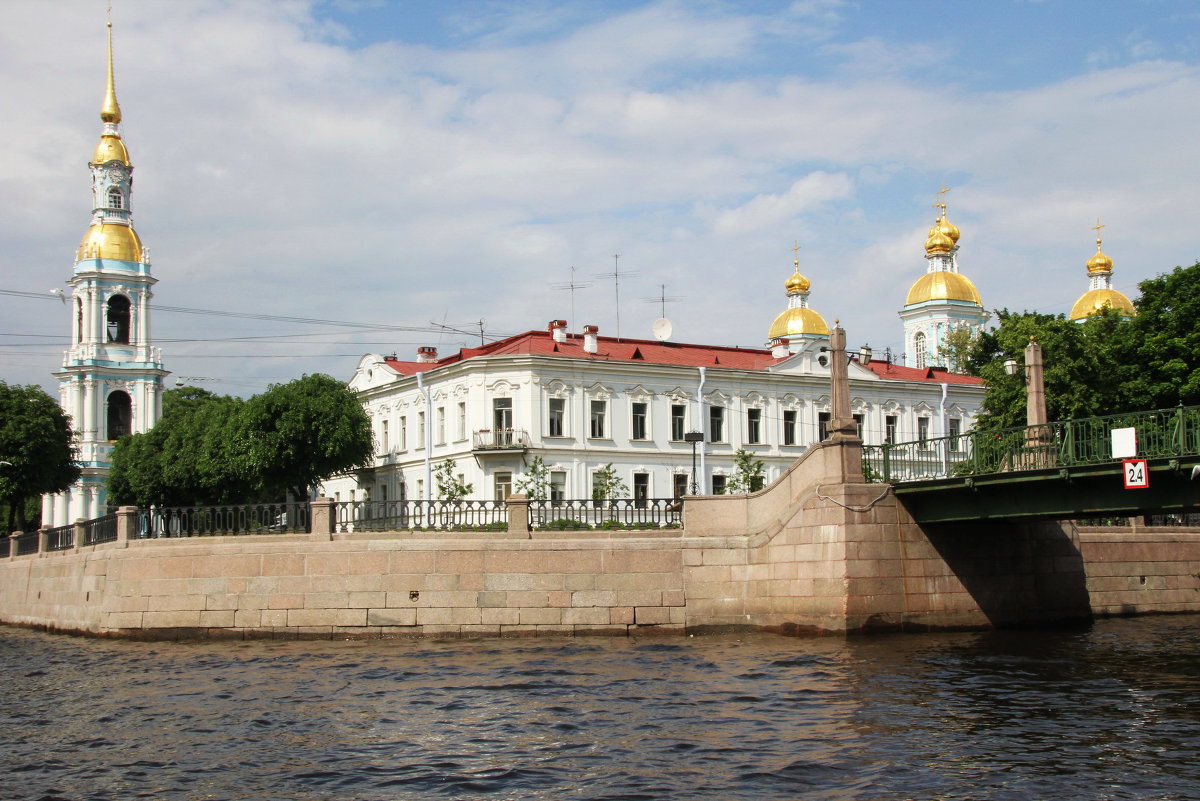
(701, 427)
(945, 443)
(428, 435)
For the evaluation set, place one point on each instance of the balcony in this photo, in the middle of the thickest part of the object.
(501, 439)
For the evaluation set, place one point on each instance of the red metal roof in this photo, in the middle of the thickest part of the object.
(541, 343)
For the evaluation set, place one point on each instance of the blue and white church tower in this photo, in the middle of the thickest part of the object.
(111, 380)
(940, 301)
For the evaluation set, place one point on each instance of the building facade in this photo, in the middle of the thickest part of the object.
(111, 379)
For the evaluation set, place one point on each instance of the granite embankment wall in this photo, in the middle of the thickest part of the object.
(812, 553)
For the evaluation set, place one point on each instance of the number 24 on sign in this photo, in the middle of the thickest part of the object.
(1137, 474)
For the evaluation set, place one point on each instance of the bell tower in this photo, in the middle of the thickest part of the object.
(111, 379)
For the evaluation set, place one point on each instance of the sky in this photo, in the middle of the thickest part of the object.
(319, 179)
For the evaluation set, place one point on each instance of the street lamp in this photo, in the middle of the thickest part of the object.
(694, 437)
(864, 355)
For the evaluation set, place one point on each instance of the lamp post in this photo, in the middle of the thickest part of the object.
(694, 437)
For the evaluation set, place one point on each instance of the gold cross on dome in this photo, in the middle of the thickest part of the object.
(1097, 228)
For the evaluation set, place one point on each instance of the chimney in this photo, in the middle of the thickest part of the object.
(590, 343)
(779, 348)
(426, 354)
(558, 330)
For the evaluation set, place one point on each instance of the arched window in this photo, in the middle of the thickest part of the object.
(118, 319)
(115, 199)
(920, 349)
(78, 320)
(120, 414)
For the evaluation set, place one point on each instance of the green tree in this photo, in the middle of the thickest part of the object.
(449, 486)
(535, 484)
(37, 450)
(297, 434)
(606, 484)
(748, 473)
(1163, 352)
(957, 346)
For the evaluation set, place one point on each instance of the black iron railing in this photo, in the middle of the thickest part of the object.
(351, 516)
(101, 529)
(5, 547)
(211, 521)
(60, 538)
(620, 514)
(25, 544)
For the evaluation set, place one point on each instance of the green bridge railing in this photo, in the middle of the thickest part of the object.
(1067, 443)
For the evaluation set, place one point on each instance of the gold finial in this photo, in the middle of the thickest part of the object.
(941, 204)
(796, 254)
(110, 111)
(1097, 228)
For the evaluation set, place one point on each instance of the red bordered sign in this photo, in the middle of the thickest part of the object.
(1137, 474)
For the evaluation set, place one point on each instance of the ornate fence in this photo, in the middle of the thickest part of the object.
(25, 544)
(61, 538)
(101, 529)
(1160, 433)
(351, 516)
(210, 521)
(615, 514)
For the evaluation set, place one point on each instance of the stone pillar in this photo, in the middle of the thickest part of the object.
(127, 518)
(843, 430)
(79, 534)
(1035, 386)
(44, 540)
(322, 521)
(518, 516)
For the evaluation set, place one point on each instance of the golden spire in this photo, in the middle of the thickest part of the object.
(110, 111)
(1100, 262)
(797, 283)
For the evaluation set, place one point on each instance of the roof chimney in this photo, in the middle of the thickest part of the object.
(558, 330)
(590, 343)
(426, 354)
(779, 348)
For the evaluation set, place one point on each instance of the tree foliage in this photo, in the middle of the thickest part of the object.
(449, 486)
(606, 484)
(535, 484)
(37, 448)
(748, 473)
(215, 449)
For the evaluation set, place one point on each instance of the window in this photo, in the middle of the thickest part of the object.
(383, 493)
(641, 489)
(462, 420)
(718, 485)
(402, 434)
(502, 415)
(599, 412)
(558, 485)
(858, 423)
(716, 424)
(679, 485)
(678, 421)
(118, 319)
(920, 349)
(503, 482)
(954, 431)
(420, 489)
(789, 427)
(556, 417)
(922, 429)
(440, 430)
(889, 429)
(383, 436)
(120, 414)
(420, 429)
(754, 426)
(78, 320)
(823, 419)
(639, 422)
(115, 199)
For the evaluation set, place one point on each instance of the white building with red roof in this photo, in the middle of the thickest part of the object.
(581, 401)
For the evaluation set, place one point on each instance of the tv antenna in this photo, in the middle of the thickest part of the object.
(663, 298)
(615, 275)
(571, 286)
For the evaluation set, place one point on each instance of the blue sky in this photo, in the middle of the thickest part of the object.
(406, 164)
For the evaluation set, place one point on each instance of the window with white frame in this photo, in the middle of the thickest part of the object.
(402, 434)
(789, 426)
(462, 420)
(639, 418)
(678, 421)
(754, 426)
(859, 422)
(641, 489)
(440, 429)
(718, 484)
(921, 349)
(823, 419)
(384, 444)
(503, 485)
(716, 424)
(558, 485)
(556, 417)
(954, 431)
(599, 419)
(923, 430)
(890, 422)
(420, 429)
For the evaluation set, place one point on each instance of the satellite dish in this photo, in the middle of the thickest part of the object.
(661, 329)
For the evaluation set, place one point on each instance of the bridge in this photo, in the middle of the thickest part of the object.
(1060, 470)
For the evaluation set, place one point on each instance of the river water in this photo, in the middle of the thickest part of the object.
(1109, 712)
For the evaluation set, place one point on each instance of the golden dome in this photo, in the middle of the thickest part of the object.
(797, 283)
(1099, 263)
(110, 241)
(1094, 300)
(798, 322)
(943, 285)
(948, 228)
(111, 148)
(939, 241)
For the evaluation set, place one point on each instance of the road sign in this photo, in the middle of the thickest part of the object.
(1137, 474)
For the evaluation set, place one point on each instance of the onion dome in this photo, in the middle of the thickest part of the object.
(797, 283)
(798, 320)
(938, 241)
(110, 241)
(1092, 301)
(1100, 263)
(111, 148)
(942, 285)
